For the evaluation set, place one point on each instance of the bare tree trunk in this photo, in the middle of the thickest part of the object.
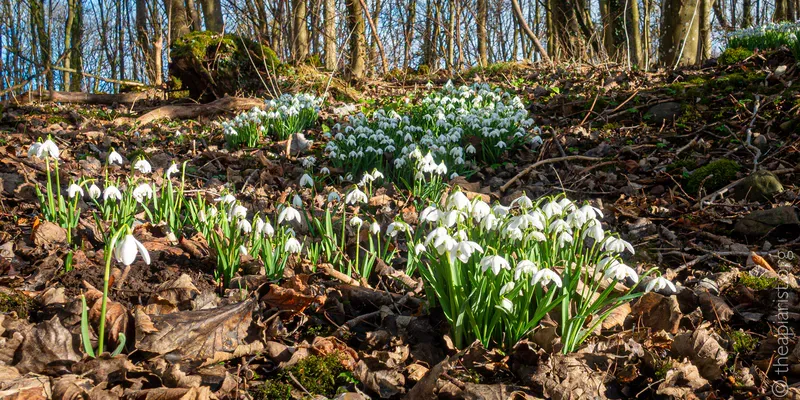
(330, 34)
(76, 46)
(151, 43)
(571, 29)
(376, 38)
(532, 36)
(747, 13)
(194, 17)
(704, 41)
(481, 17)
(680, 30)
(781, 11)
(451, 49)
(427, 36)
(212, 14)
(621, 30)
(300, 40)
(355, 19)
(178, 22)
(408, 33)
(39, 30)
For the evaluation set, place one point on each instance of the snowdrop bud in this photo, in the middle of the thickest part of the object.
(73, 190)
(660, 283)
(114, 158)
(94, 192)
(126, 250)
(143, 166)
(325, 171)
(297, 201)
(292, 246)
(244, 226)
(375, 228)
(355, 221)
(243, 250)
(227, 199)
(173, 169)
(333, 196)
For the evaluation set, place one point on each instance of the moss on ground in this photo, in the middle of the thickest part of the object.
(321, 375)
(758, 282)
(742, 342)
(713, 176)
(734, 55)
(14, 301)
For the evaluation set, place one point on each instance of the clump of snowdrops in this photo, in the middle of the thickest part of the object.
(497, 270)
(282, 117)
(770, 36)
(457, 126)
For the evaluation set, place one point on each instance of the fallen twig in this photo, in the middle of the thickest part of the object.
(531, 167)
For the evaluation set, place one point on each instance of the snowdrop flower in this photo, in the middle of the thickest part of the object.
(143, 166)
(173, 169)
(453, 217)
(306, 180)
(501, 145)
(333, 196)
(398, 226)
(258, 225)
(545, 276)
(567, 205)
(125, 250)
(227, 199)
(551, 208)
(470, 149)
(357, 222)
(289, 214)
(500, 210)
(617, 245)
(495, 263)
(297, 201)
(523, 201)
(506, 305)
(48, 149)
(238, 211)
(430, 214)
(591, 211)
(325, 171)
(73, 190)
(375, 228)
(114, 157)
(244, 226)
(454, 175)
(564, 238)
(419, 248)
(526, 267)
(356, 196)
(94, 192)
(269, 231)
(489, 223)
(464, 250)
(143, 191)
(620, 271)
(243, 250)
(507, 288)
(594, 230)
(111, 192)
(458, 201)
(292, 246)
(480, 209)
(660, 283)
(537, 236)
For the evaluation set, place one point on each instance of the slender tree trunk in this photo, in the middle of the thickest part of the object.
(747, 13)
(76, 47)
(355, 19)
(408, 33)
(330, 34)
(212, 15)
(481, 17)
(704, 41)
(194, 17)
(531, 35)
(300, 40)
(178, 22)
(781, 11)
(451, 48)
(621, 30)
(427, 36)
(39, 28)
(680, 31)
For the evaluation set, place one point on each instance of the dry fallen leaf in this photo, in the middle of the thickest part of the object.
(758, 260)
(703, 350)
(47, 343)
(116, 313)
(658, 312)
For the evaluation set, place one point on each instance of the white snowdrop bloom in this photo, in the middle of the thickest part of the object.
(458, 201)
(564, 238)
(501, 145)
(567, 205)
(292, 246)
(47, 149)
(495, 263)
(594, 230)
(432, 235)
(111, 192)
(464, 250)
(333, 196)
(558, 226)
(238, 211)
(617, 245)
(114, 158)
(419, 248)
(450, 218)
(536, 236)
(398, 226)
(143, 166)
(526, 267)
(470, 149)
(269, 231)
(74, 190)
(227, 199)
(289, 214)
(357, 222)
(243, 250)
(309, 161)
(143, 191)
(445, 243)
(500, 210)
(523, 201)
(95, 192)
(591, 211)
(513, 233)
(258, 226)
(506, 305)
(544, 277)
(375, 228)
(430, 214)
(507, 288)
(551, 208)
(244, 226)
(356, 196)
(325, 171)
(660, 283)
(577, 218)
(489, 223)
(173, 169)
(306, 180)
(620, 271)
(125, 250)
(297, 201)
(377, 175)
(441, 169)
(480, 209)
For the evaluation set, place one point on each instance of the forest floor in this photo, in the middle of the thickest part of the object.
(659, 143)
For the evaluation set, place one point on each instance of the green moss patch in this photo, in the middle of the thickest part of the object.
(734, 55)
(14, 301)
(321, 375)
(758, 282)
(713, 176)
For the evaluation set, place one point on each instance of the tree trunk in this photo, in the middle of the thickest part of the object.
(300, 24)
(408, 33)
(704, 41)
(532, 36)
(781, 11)
(212, 15)
(178, 22)
(39, 31)
(621, 37)
(451, 47)
(747, 13)
(150, 42)
(330, 34)
(571, 30)
(355, 19)
(481, 17)
(194, 17)
(427, 36)
(76, 47)
(680, 31)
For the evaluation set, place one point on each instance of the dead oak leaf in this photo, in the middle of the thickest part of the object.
(703, 350)
(179, 292)
(294, 297)
(48, 342)
(116, 314)
(195, 393)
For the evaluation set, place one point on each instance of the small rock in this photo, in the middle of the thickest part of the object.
(762, 222)
(345, 110)
(760, 141)
(299, 143)
(657, 190)
(780, 70)
(664, 112)
(759, 186)
(601, 150)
